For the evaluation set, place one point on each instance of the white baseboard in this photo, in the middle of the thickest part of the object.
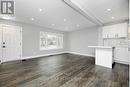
(81, 54)
(122, 62)
(30, 57)
(117, 61)
(36, 56)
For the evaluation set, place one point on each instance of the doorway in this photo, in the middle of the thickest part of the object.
(10, 42)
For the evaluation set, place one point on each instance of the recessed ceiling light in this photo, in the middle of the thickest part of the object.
(7, 17)
(65, 20)
(40, 9)
(32, 19)
(53, 24)
(66, 28)
(108, 9)
(77, 25)
(112, 17)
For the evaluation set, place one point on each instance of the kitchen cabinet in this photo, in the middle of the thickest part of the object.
(115, 31)
(104, 55)
(122, 55)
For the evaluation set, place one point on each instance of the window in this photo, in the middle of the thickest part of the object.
(50, 41)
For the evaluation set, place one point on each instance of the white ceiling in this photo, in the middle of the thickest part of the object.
(53, 14)
(56, 14)
(118, 9)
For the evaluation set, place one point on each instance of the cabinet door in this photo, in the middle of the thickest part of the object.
(112, 32)
(115, 31)
(105, 32)
(121, 30)
(108, 32)
(122, 54)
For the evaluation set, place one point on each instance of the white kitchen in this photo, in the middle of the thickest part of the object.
(114, 45)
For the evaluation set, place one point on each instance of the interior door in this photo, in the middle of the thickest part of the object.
(11, 43)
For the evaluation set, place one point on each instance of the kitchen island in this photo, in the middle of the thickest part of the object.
(104, 55)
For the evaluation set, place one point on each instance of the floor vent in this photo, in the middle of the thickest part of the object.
(23, 60)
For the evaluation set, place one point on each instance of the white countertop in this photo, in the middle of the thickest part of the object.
(105, 47)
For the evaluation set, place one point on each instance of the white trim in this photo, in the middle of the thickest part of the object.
(9, 60)
(77, 53)
(36, 56)
(83, 54)
(122, 62)
(21, 38)
(83, 11)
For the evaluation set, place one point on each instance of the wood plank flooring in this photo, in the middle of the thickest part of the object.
(66, 70)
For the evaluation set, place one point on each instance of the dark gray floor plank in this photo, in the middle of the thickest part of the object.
(66, 70)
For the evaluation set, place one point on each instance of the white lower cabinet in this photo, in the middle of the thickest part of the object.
(122, 55)
(104, 57)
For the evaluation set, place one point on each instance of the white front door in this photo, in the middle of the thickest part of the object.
(11, 43)
(0, 43)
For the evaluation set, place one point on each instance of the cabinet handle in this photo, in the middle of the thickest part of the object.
(107, 36)
(117, 35)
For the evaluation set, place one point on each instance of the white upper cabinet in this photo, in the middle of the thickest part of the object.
(115, 31)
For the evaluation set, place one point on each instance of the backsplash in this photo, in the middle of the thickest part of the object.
(116, 42)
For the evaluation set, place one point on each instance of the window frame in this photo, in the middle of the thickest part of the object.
(60, 38)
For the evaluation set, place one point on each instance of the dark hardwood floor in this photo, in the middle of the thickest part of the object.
(64, 70)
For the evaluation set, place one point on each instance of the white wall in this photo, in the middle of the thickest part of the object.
(31, 41)
(76, 41)
(30, 38)
(100, 38)
(81, 39)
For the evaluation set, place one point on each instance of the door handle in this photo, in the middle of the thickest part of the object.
(3, 42)
(3, 46)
